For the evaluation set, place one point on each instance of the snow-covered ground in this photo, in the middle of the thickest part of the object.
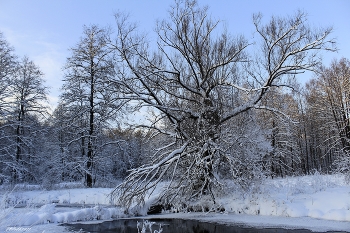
(318, 202)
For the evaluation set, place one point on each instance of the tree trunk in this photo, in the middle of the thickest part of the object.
(91, 130)
(19, 133)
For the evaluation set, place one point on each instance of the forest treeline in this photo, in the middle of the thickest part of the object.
(219, 107)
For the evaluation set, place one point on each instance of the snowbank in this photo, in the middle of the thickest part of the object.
(31, 208)
(81, 196)
(296, 201)
(48, 214)
(320, 197)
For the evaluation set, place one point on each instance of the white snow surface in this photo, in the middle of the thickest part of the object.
(317, 202)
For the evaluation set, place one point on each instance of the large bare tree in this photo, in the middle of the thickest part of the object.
(200, 81)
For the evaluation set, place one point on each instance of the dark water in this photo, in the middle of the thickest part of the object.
(172, 226)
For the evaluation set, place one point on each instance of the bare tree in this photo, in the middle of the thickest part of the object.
(200, 81)
(22, 107)
(87, 99)
(27, 108)
(8, 62)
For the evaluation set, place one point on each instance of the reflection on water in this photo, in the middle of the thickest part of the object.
(171, 226)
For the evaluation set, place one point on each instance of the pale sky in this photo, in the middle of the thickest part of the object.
(44, 30)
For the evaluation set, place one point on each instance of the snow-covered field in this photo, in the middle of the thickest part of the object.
(318, 202)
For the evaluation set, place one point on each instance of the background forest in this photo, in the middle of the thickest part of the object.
(218, 107)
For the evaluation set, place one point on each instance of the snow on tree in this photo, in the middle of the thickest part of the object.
(190, 81)
(284, 133)
(8, 62)
(26, 109)
(89, 104)
(329, 111)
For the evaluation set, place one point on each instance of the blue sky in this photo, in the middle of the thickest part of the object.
(44, 30)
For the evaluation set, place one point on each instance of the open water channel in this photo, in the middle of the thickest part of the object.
(172, 226)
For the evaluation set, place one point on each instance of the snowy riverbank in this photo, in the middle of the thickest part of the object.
(316, 202)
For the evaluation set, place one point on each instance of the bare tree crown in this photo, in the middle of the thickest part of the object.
(200, 81)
